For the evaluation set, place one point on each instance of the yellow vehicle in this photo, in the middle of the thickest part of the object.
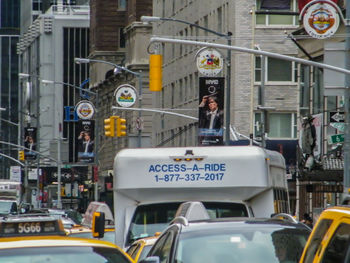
(140, 248)
(330, 238)
(28, 239)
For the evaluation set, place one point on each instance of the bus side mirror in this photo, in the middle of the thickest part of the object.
(98, 225)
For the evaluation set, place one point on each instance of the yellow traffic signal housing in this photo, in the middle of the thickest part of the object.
(121, 127)
(110, 126)
(21, 156)
(155, 72)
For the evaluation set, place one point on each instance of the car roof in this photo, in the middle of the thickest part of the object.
(51, 241)
(338, 210)
(239, 223)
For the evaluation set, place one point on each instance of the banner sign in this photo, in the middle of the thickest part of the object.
(211, 115)
(30, 143)
(85, 110)
(85, 141)
(15, 173)
(125, 95)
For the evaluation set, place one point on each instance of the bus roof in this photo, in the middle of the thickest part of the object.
(233, 172)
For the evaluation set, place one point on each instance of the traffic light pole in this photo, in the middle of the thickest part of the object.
(228, 64)
(249, 50)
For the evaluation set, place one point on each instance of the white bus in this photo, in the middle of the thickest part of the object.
(150, 184)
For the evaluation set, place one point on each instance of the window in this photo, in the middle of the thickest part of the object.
(121, 4)
(280, 125)
(274, 19)
(37, 5)
(181, 94)
(219, 24)
(121, 38)
(205, 21)
(339, 244)
(275, 70)
(315, 242)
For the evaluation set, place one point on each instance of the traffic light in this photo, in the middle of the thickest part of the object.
(155, 72)
(121, 127)
(21, 156)
(110, 126)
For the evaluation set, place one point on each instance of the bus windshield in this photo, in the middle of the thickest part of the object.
(152, 218)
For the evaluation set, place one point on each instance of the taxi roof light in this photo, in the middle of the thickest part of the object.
(30, 225)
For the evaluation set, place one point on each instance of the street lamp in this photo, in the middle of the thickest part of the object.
(45, 81)
(138, 75)
(228, 68)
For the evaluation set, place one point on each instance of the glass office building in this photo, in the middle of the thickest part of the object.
(9, 36)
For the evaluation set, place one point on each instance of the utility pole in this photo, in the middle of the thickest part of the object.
(59, 175)
(346, 179)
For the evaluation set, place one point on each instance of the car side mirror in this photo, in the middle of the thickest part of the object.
(153, 259)
(98, 224)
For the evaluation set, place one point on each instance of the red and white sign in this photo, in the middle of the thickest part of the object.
(321, 20)
(85, 110)
(210, 62)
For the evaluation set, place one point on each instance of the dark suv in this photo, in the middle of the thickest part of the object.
(190, 239)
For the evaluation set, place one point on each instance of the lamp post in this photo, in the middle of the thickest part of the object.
(28, 95)
(137, 74)
(346, 175)
(228, 64)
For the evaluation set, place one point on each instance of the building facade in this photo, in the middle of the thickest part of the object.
(9, 35)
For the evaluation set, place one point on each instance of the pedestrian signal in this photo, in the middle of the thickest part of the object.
(121, 127)
(21, 155)
(110, 126)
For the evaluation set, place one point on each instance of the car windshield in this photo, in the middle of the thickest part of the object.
(63, 255)
(149, 219)
(5, 207)
(256, 245)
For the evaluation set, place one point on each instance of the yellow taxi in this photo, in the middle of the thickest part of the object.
(86, 232)
(28, 239)
(329, 241)
(140, 248)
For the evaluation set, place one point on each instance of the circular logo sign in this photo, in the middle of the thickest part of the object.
(209, 62)
(321, 20)
(85, 110)
(125, 95)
